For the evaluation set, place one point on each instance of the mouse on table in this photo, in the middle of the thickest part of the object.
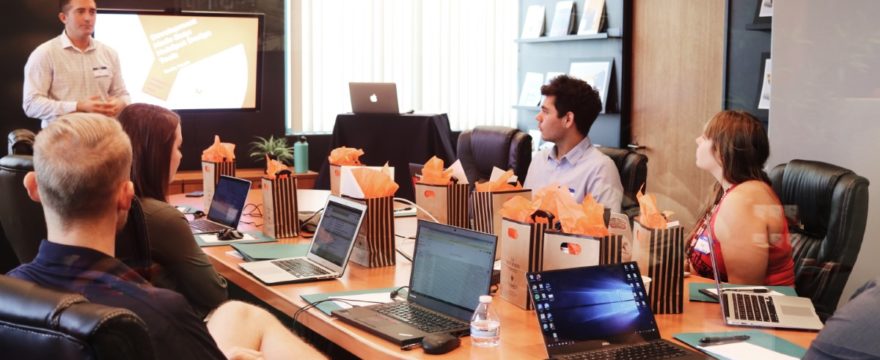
(230, 234)
(440, 343)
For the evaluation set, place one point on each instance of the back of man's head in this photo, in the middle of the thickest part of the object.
(576, 96)
(80, 161)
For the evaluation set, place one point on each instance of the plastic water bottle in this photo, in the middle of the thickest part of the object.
(301, 156)
(485, 324)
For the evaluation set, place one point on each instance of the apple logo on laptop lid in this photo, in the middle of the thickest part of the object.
(374, 98)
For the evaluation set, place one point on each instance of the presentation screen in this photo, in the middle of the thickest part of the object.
(187, 60)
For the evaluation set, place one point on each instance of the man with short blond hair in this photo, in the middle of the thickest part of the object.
(73, 72)
(82, 165)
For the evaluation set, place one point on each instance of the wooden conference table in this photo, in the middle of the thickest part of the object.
(520, 335)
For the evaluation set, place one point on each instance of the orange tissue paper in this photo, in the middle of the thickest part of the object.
(433, 173)
(345, 156)
(651, 216)
(273, 167)
(519, 209)
(374, 183)
(219, 151)
(500, 184)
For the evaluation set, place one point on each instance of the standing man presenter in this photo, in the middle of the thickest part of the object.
(73, 72)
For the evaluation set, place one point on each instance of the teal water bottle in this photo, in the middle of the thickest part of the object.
(301, 156)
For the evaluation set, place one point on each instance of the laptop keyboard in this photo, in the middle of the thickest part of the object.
(754, 308)
(206, 226)
(652, 350)
(422, 319)
(300, 268)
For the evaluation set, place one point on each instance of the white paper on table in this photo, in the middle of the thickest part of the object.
(458, 172)
(496, 173)
(744, 350)
(350, 187)
(362, 299)
(212, 238)
(235, 254)
(530, 94)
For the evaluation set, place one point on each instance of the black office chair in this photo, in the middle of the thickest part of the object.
(633, 169)
(23, 225)
(20, 218)
(39, 323)
(483, 147)
(827, 209)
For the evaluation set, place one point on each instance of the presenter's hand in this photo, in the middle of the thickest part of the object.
(114, 106)
(96, 105)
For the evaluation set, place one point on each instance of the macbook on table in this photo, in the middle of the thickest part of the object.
(226, 206)
(329, 251)
(451, 268)
(763, 310)
(599, 312)
(373, 98)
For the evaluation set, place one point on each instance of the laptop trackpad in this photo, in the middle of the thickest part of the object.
(798, 311)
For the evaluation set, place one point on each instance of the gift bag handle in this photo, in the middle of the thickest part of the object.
(551, 220)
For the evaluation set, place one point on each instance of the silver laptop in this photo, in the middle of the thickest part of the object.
(373, 98)
(226, 206)
(328, 254)
(762, 310)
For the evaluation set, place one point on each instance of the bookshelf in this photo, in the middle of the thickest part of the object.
(555, 54)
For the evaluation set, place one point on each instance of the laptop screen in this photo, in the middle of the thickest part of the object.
(336, 231)
(590, 307)
(452, 267)
(228, 200)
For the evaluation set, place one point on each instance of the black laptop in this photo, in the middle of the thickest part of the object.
(599, 312)
(227, 206)
(451, 268)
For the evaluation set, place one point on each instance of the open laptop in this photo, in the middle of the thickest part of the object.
(226, 206)
(763, 310)
(373, 98)
(328, 254)
(451, 268)
(599, 312)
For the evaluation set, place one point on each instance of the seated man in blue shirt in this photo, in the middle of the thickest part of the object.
(82, 165)
(852, 332)
(569, 109)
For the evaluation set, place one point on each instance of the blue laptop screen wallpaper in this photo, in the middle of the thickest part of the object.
(592, 306)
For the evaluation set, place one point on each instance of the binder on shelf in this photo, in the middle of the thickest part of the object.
(593, 18)
(533, 27)
(530, 94)
(563, 19)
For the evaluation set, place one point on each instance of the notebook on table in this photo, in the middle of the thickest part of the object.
(762, 310)
(599, 312)
(451, 268)
(226, 206)
(373, 98)
(329, 250)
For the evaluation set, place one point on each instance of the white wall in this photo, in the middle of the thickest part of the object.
(826, 99)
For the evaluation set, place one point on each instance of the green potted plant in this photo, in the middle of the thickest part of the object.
(276, 148)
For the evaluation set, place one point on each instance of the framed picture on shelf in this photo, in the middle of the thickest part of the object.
(596, 72)
(764, 92)
(764, 12)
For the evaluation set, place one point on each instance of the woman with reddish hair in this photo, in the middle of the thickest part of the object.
(743, 215)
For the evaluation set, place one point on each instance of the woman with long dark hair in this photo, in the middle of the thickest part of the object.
(743, 215)
(179, 263)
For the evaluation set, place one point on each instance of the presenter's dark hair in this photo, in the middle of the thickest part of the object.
(63, 4)
(151, 129)
(575, 96)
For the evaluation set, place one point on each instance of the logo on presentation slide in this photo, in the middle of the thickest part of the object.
(374, 98)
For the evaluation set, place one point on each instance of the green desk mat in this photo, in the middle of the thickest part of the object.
(259, 237)
(756, 337)
(262, 251)
(327, 307)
